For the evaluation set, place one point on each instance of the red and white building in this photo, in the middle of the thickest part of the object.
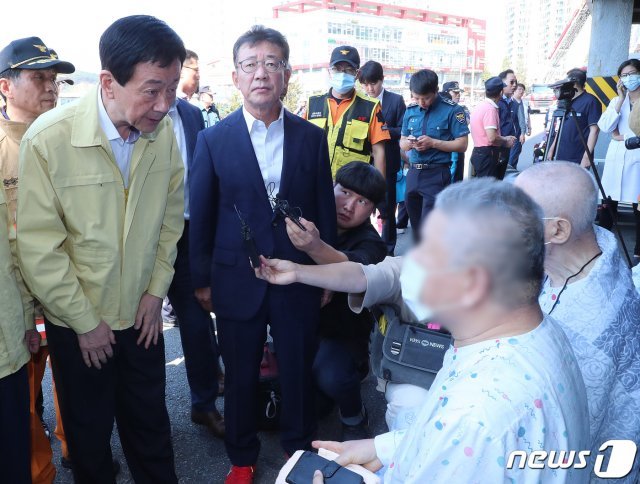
(403, 39)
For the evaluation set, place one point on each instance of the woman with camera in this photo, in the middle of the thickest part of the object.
(621, 177)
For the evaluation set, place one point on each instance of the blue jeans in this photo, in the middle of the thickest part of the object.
(515, 153)
(335, 371)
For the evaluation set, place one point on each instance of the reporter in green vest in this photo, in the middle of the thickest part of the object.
(355, 128)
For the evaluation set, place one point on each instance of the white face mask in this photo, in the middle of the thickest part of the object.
(412, 279)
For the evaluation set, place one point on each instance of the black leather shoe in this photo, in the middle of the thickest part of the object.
(212, 420)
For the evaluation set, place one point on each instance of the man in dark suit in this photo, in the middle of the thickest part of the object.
(260, 151)
(196, 329)
(371, 77)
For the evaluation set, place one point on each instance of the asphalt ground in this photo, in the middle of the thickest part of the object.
(200, 457)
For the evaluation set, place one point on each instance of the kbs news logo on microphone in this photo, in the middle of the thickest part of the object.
(621, 459)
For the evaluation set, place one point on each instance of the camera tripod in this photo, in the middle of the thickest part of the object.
(560, 116)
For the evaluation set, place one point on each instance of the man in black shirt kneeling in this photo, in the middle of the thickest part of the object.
(342, 359)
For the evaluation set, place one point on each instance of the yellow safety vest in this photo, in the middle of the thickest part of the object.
(348, 137)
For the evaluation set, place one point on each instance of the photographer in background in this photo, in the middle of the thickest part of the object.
(587, 110)
(621, 176)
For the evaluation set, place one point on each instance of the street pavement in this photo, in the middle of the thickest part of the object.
(201, 458)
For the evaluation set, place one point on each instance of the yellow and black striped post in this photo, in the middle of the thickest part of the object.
(604, 88)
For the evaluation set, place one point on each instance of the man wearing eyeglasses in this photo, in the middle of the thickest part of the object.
(354, 123)
(196, 328)
(253, 156)
(509, 125)
(189, 77)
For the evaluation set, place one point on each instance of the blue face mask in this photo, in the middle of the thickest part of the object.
(631, 82)
(342, 83)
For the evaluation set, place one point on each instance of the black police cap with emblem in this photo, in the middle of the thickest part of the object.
(345, 53)
(32, 53)
(451, 86)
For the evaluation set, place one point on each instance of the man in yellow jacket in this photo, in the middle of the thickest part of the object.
(18, 337)
(100, 210)
(28, 84)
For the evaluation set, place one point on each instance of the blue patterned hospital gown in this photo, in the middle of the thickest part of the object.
(491, 398)
(601, 316)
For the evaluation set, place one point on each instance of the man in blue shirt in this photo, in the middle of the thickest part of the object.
(431, 130)
(508, 111)
(587, 110)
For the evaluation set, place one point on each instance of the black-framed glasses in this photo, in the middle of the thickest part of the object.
(271, 65)
(194, 69)
(513, 81)
(627, 74)
(347, 70)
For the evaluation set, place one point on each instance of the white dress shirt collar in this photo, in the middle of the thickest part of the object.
(250, 120)
(109, 128)
(268, 146)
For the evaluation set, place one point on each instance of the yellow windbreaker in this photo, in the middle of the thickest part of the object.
(13, 350)
(89, 248)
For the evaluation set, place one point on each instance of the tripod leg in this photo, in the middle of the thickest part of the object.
(636, 216)
(608, 202)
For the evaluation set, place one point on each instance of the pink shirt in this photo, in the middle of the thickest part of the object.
(484, 116)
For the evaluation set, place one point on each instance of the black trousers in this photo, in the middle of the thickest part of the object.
(607, 222)
(15, 447)
(403, 217)
(422, 188)
(459, 173)
(293, 314)
(389, 216)
(130, 387)
(488, 161)
(196, 333)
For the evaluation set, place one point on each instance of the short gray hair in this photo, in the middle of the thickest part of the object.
(563, 189)
(258, 34)
(502, 231)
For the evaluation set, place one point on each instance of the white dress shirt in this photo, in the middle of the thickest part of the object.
(178, 130)
(122, 149)
(268, 145)
(380, 96)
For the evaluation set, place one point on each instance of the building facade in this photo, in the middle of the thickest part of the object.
(402, 38)
(534, 28)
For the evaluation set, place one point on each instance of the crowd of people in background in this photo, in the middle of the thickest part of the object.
(141, 193)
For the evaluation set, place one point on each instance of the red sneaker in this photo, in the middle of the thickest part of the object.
(240, 475)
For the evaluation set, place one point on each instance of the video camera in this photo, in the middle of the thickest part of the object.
(564, 91)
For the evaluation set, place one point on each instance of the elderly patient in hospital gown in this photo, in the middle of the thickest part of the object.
(511, 381)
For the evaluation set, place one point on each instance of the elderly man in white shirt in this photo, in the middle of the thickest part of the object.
(510, 382)
(590, 292)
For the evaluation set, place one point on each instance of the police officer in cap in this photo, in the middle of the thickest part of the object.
(451, 90)
(354, 124)
(432, 129)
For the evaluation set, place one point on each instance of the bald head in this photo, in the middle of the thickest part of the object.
(564, 190)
